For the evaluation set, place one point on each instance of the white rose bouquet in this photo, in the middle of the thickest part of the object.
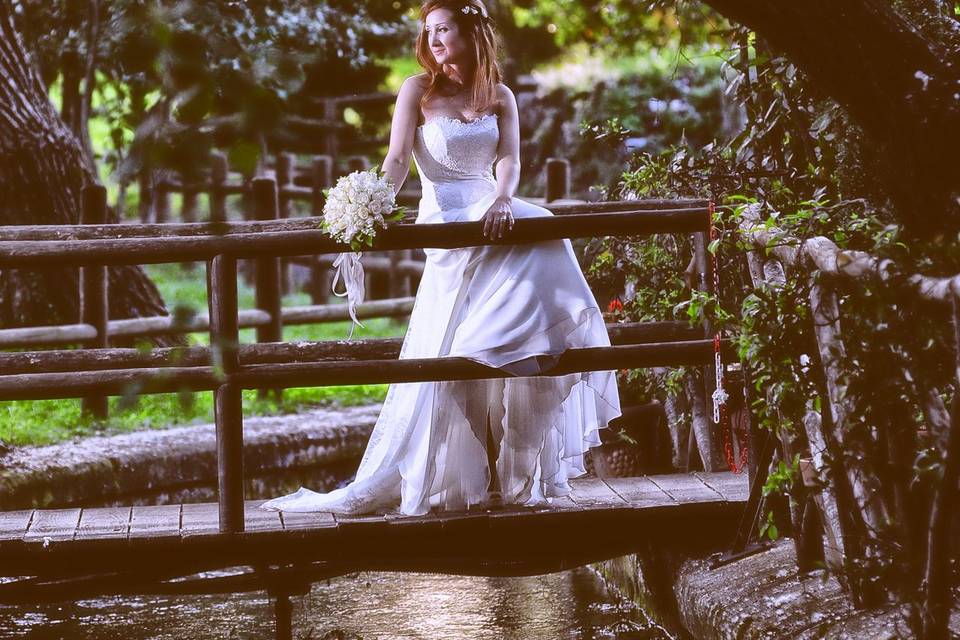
(355, 207)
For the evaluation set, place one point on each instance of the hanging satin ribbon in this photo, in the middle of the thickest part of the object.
(349, 267)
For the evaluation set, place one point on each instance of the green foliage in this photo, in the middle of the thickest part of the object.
(782, 477)
(646, 101)
(619, 25)
(50, 421)
(768, 528)
(185, 75)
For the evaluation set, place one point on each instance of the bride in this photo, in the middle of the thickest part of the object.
(513, 440)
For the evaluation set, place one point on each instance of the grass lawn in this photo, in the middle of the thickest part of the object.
(50, 421)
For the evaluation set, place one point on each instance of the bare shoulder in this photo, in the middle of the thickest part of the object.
(417, 84)
(506, 101)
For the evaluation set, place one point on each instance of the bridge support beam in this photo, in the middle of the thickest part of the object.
(283, 612)
(228, 400)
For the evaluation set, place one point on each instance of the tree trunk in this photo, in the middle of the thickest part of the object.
(897, 84)
(43, 167)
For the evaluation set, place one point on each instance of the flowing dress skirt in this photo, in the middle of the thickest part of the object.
(515, 307)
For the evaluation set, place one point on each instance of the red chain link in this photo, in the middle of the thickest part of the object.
(724, 421)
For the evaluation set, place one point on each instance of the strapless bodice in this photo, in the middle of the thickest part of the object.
(455, 161)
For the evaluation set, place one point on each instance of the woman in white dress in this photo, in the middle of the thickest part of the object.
(447, 446)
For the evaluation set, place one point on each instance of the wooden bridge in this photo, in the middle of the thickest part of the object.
(73, 553)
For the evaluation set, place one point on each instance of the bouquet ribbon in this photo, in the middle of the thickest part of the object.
(348, 267)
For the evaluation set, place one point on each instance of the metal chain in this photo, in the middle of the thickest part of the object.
(720, 395)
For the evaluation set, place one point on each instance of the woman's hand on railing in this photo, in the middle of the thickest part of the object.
(498, 218)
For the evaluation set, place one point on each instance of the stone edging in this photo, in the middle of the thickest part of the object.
(105, 469)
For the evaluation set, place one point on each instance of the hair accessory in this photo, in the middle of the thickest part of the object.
(468, 9)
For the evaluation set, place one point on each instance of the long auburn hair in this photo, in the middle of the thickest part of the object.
(478, 29)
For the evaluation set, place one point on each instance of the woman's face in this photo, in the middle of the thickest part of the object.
(447, 43)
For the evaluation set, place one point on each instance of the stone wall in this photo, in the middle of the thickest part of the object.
(179, 464)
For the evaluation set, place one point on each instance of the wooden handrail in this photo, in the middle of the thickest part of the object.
(51, 232)
(227, 368)
(178, 248)
(42, 386)
(170, 325)
(66, 360)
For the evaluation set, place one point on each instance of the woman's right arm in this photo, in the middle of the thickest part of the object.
(406, 114)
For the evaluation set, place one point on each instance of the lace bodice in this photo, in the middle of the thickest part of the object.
(455, 161)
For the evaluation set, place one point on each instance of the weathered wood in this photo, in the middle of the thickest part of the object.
(218, 176)
(267, 285)
(640, 491)
(50, 386)
(283, 617)
(60, 334)
(594, 492)
(188, 208)
(826, 499)
(53, 524)
(686, 210)
(205, 520)
(104, 524)
(155, 521)
(181, 540)
(170, 379)
(824, 255)
(701, 396)
(257, 519)
(452, 368)
(167, 325)
(683, 490)
(155, 250)
(702, 431)
(558, 179)
(390, 308)
(285, 171)
(161, 204)
(293, 520)
(826, 322)
(146, 194)
(732, 487)
(54, 361)
(228, 404)
(249, 318)
(94, 305)
(14, 524)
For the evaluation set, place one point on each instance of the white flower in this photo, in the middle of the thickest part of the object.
(357, 205)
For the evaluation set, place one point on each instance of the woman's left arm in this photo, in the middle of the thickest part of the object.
(506, 167)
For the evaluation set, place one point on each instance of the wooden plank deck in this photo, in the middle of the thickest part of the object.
(600, 518)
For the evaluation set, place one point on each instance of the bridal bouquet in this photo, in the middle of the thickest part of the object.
(358, 204)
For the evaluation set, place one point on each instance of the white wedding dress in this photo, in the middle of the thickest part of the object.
(513, 307)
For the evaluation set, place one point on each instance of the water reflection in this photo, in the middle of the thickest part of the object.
(367, 606)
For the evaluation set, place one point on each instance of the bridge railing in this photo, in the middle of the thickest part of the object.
(227, 367)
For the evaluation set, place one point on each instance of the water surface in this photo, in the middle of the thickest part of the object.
(367, 605)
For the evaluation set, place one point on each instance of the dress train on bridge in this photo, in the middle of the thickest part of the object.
(512, 307)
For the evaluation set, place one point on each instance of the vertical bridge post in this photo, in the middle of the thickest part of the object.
(219, 170)
(709, 449)
(267, 271)
(558, 179)
(94, 302)
(227, 399)
(320, 277)
(286, 169)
